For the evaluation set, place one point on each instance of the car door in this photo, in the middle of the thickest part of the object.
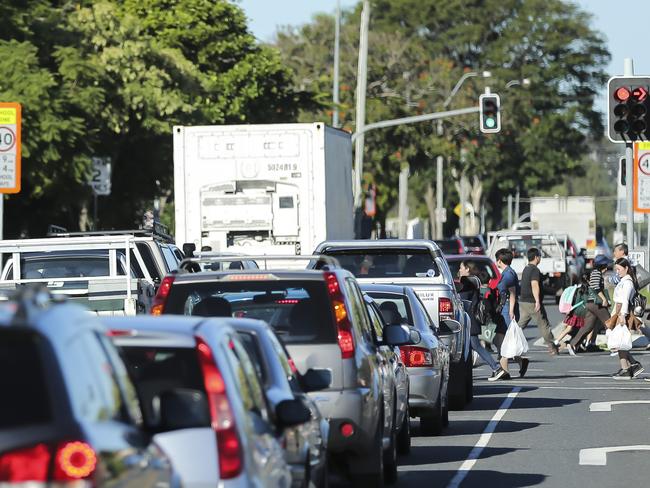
(110, 418)
(264, 452)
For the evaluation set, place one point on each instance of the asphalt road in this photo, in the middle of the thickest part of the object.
(540, 430)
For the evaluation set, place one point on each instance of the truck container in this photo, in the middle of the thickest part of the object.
(262, 189)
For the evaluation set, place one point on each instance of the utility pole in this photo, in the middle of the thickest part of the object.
(403, 210)
(439, 202)
(362, 74)
(463, 192)
(335, 87)
(628, 70)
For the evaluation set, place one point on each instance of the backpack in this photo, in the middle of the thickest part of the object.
(485, 306)
(566, 300)
(638, 304)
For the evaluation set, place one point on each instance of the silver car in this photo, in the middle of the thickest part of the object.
(219, 431)
(427, 361)
(304, 443)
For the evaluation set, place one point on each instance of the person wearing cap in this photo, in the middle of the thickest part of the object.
(597, 304)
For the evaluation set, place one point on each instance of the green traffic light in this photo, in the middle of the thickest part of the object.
(490, 122)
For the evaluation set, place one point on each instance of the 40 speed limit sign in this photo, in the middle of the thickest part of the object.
(9, 147)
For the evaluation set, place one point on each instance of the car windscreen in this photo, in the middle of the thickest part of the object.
(154, 370)
(386, 263)
(394, 307)
(22, 378)
(298, 310)
(485, 270)
(449, 246)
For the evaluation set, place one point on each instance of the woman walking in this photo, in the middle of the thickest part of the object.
(470, 290)
(623, 295)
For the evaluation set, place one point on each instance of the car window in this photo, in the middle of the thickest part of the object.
(484, 267)
(299, 311)
(472, 242)
(154, 370)
(376, 320)
(28, 402)
(430, 323)
(449, 246)
(386, 263)
(250, 343)
(394, 307)
(248, 380)
(94, 392)
(149, 261)
(358, 309)
(170, 258)
(64, 267)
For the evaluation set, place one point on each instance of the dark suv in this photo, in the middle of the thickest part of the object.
(321, 317)
(71, 413)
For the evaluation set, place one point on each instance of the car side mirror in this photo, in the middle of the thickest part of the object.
(292, 412)
(397, 335)
(316, 379)
(183, 409)
(188, 249)
(449, 327)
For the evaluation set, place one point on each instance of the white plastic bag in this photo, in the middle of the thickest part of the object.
(619, 339)
(514, 343)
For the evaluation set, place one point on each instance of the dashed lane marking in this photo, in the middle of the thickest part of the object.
(483, 441)
(597, 456)
(607, 406)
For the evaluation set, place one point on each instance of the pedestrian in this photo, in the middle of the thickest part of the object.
(508, 289)
(574, 320)
(531, 299)
(597, 305)
(470, 290)
(623, 295)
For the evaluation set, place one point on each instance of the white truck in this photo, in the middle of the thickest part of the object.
(262, 189)
(574, 216)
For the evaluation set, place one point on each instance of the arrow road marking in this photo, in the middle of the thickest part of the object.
(607, 406)
(469, 463)
(597, 456)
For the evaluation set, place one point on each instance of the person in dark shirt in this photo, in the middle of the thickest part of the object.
(532, 299)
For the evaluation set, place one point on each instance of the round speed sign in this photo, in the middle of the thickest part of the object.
(7, 139)
(644, 164)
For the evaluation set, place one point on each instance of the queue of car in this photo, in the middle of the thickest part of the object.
(243, 375)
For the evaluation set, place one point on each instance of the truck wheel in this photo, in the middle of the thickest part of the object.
(404, 436)
(457, 386)
(431, 424)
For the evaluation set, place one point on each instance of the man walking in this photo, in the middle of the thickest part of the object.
(531, 300)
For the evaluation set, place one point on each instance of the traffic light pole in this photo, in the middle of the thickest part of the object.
(628, 70)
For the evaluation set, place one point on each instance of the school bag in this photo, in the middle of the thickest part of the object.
(566, 300)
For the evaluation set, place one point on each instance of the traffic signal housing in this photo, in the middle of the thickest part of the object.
(490, 114)
(628, 108)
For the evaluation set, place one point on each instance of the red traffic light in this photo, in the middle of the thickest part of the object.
(639, 94)
(622, 94)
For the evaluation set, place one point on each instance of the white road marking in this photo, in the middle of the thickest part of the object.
(574, 387)
(607, 406)
(597, 456)
(581, 371)
(483, 441)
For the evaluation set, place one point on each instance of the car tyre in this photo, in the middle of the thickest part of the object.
(469, 383)
(374, 457)
(457, 384)
(404, 436)
(390, 456)
(432, 424)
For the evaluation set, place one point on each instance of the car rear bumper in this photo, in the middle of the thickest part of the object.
(424, 389)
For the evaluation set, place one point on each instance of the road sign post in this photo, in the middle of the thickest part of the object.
(10, 152)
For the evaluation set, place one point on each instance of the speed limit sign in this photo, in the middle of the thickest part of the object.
(10, 147)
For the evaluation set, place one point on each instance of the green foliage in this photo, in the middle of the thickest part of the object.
(418, 49)
(111, 78)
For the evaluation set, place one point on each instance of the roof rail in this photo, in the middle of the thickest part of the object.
(158, 230)
(193, 264)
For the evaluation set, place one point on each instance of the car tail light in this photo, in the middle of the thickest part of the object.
(161, 296)
(460, 246)
(445, 308)
(73, 460)
(223, 420)
(347, 429)
(343, 324)
(416, 357)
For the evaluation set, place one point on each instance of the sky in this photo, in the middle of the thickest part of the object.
(623, 23)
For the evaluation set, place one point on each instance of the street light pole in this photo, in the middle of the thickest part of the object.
(628, 70)
(335, 87)
(362, 74)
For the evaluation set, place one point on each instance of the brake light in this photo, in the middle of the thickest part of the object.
(460, 247)
(221, 414)
(287, 301)
(28, 464)
(73, 460)
(445, 308)
(343, 324)
(161, 296)
(416, 357)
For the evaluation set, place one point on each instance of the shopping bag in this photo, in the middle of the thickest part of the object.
(514, 343)
(488, 332)
(619, 339)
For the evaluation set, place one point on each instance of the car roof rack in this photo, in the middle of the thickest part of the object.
(158, 230)
(192, 265)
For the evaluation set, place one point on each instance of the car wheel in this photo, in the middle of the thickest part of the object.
(404, 436)
(457, 386)
(469, 384)
(431, 424)
(373, 461)
(390, 456)
(445, 410)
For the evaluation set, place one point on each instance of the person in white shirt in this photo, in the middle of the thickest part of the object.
(623, 295)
